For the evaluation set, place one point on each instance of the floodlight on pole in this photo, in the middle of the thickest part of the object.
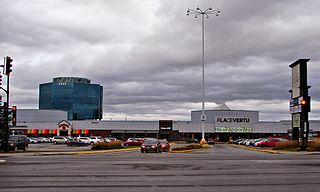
(196, 12)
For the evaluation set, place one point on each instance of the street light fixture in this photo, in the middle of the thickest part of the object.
(206, 13)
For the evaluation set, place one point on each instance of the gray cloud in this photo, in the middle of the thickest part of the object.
(147, 54)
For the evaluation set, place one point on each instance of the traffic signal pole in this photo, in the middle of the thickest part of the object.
(8, 90)
(5, 133)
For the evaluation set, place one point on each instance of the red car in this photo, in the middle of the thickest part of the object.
(133, 142)
(165, 146)
(151, 145)
(270, 142)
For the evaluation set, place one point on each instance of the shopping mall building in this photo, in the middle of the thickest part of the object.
(221, 123)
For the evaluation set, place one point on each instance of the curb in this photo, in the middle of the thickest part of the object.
(275, 151)
(254, 149)
(2, 161)
(68, 152)
(101, 151)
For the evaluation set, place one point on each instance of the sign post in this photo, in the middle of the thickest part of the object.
(300, 103)
(165, 128)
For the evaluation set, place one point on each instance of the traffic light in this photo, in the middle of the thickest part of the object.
(14, 115)
(8, 65)
(305, 104)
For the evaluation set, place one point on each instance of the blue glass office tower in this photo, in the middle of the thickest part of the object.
(76, 95)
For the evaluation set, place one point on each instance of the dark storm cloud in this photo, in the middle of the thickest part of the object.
(147, 54)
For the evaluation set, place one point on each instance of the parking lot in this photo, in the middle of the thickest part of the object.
(47, 147)
(222, 168)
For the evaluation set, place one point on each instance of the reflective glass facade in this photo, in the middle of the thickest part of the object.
(81, 99)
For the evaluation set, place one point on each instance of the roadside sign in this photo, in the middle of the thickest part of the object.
(296, 120)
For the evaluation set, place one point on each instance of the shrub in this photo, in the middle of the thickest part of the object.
(188, 147)
(313, 146)
(287, 145)
(107, 145)
(293, 146)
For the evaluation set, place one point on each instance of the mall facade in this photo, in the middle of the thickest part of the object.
(221, 123)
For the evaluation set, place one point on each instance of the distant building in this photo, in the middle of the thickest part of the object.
(77, 96)
(40, 116)
(221, 123)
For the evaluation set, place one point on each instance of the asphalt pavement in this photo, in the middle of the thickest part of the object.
(222, 168)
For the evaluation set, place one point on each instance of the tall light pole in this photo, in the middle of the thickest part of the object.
(206, 13)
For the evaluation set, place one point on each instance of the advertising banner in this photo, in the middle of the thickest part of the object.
(233, 130)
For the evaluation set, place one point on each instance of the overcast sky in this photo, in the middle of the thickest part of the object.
(147, 53)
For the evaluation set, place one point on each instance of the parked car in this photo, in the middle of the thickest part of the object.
(193, 141)
(50, 139)
(255, 141)
(238, 141)
(270, 142)
(133, 142)
(112, 138)
(41, 140)
(211, 141)
(151, 145)
(164, 144)
(32, 140)
(59, 140)
(258, 143)
(95, 139)
(18, 142)
(248, 142)
(69, 137)
(76, 142)
(109, 139)
(86, 140)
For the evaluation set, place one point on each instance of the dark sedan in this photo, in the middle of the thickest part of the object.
(18, 142)
(151, 145)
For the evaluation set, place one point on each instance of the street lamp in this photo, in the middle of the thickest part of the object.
(206, 13)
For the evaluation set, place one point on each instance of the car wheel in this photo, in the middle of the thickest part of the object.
(142, 151)
(55, 142)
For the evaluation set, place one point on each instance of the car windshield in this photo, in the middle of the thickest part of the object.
(150, 141)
